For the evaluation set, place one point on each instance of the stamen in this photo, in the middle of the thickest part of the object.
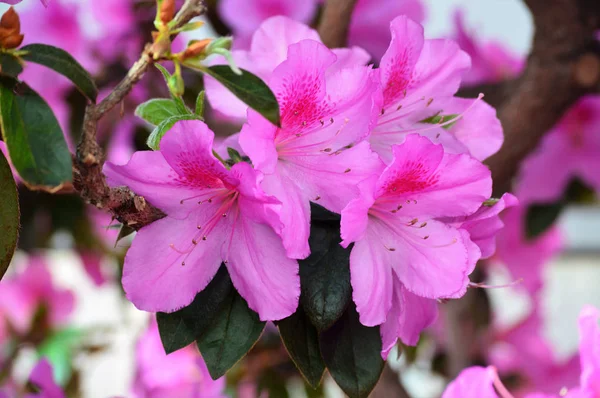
(484, 286)
(318, 197)
(423, 225)
(194, 241)
(183, 263)
(429, 102)
(502, 391)
(347, 171)
(327, 150)
(413, 222)
(426, 237)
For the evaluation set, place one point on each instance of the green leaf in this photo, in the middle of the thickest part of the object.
(63, 63)
(250, 89)
(9, 215)
(58, 348)
(325, 275)
(33, 136)
(440, 119)
(164, 71)
(272, 384)
(352, 353)
(160, 130)
(179, 329)
(301, 340)
(234, 155)
(232, 334)
(10, 65)
(157, 110)
(540, 217)
(200, 104)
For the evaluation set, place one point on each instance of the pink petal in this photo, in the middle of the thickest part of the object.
(589, 348)
(473, 382)
(164, 269)
(355, 216)
(42, 377)
(257, 139)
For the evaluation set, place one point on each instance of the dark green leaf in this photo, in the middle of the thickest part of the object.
(319, 213)
(301, 340)
(540, 217)
(10, 65)
(160, 130)
(231, 335)
(325, 275)
(125, 230)
(9, 215)
(200, 104)
(63, 63)
(273, 384)
(156, 111)
(248, 88)
(234, 155)
(352, 353)
(33, 136)
(179, 329)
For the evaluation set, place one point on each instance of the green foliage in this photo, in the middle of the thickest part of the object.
(249, 88)
(232, 334)
(10, 65)
(157, 110)
(9, 215)
(160, 130)
(63, 63)
(301, 339)
(179, 329)
(325, 274)
(58, 348)
(352, 353)
(200, 104)
(33, 136)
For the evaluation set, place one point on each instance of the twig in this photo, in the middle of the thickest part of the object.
(335, 22)
(89, 180)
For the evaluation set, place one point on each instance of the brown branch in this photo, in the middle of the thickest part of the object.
(89, 180)
(335, 22)
(563, 66)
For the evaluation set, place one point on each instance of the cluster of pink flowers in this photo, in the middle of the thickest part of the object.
(485, 382)
(391, 149)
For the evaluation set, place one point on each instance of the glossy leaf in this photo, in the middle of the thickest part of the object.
(62, 62)
(250, 89)
(181, 328)
(9, 215)
(352, 353)
(160, 130)
(232, 334)
(325, 274)
(301, 339)
(9, 65)
(157, 110)
(33, 136)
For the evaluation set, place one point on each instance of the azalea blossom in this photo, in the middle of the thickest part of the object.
(403, 256)
(42, 378)
(319, 154)
(269, 48)
(570, 150)
(180, 374)
(214, 216)
(419, 79)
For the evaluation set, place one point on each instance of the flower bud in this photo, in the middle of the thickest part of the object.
(12, 41)
(10, 21)
(196, 48)
(167, 11)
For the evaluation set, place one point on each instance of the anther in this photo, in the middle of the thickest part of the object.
(399, 107)
(194, 241)
(199, 227)
(181, 202)
(430, 101)
(394, 211)
(183, 263)
(382, 111)
(318, 197)
(295, 113)
(204, 237)
(322, 122)
(304, 123)
(347, 171)
(399, 207)
(331, 120)
(209, 201)
(327, 150)
(426, 237)
(423, 225)
(404, 93)
(413, 221)
(224, 214)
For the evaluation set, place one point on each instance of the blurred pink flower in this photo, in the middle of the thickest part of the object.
(403, 256)
(26, 293)
(490, 61)
(42, 378)
(214, 215)
(182, 374)
(571, 149)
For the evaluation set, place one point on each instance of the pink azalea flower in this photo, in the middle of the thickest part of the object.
(180, 374)
(319, 153)
(476, 382)
(22, 295)
(269, 48)
(42, 378)
(571, 149)
(491, 61)
(525, 258)
(402, 252)
(214, 215)
(419, 79)
(369, 28)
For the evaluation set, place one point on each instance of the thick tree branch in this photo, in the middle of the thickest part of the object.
(335, 22)
(563, 66)
(89, 180)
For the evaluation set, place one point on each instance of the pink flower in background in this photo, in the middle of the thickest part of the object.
(13, 2)
(571, 149)
(319, 153)
(476, 382)
(524, 258)
(269, 49)
(491, 61)
(42, 378)
(25, 293)
(369, 28)
(403, 256)
(182, 374)
(214, 215)
(419, 79)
